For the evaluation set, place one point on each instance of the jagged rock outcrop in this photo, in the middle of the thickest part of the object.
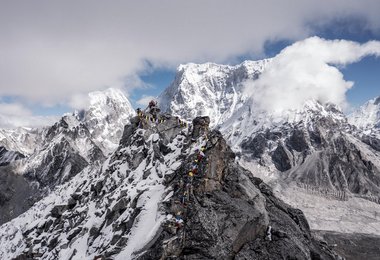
(136, 206)
(228, 213)
(67, 149)
(6, 157)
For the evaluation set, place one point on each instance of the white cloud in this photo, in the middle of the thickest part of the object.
(16, 115)
(79, 101)
(14, 109)
(305, 70)
(52, 50)
(144, 101)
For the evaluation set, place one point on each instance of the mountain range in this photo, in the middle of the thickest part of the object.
(103, 182)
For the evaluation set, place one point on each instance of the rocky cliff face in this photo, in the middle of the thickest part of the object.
(229, 214)
(165, 193)
(320, 152)
(16, 195)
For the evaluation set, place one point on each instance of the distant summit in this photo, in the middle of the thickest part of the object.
(367, 116)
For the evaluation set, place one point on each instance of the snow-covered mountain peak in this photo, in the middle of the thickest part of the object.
(209, 69)
(367, 116)
(106, 116)
(209, 89)
(110, 95)
(109, 101)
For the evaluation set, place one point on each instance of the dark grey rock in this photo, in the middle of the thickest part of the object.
(200, 126)
(372, 141)
(74, 233)
(256, 145)
(16, 194)
(281, 158)
(58, 210)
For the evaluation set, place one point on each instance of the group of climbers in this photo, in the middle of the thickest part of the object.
(151, 114)
(184, 188)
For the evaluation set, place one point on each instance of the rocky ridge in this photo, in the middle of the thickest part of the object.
(133, 207)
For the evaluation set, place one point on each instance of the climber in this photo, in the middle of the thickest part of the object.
(152, 104)
(178, 215)
(138, 111)
(183, 199)
(177, 187)
(178, 220)
(153, 110)
(200, 156)
(191, 175)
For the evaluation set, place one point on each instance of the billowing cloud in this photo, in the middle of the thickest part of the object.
(307, 70)
(52, 51)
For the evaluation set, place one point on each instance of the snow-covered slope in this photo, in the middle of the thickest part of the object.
(23, 140)
(53, 155)
(209, 89)
(367, 116)
(111, 201)
(249, 120)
